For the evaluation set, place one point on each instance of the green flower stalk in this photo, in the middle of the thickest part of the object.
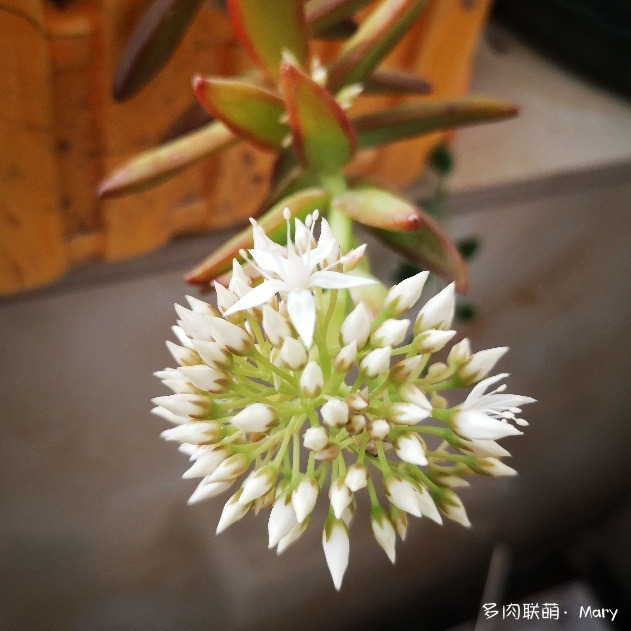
(285, 390)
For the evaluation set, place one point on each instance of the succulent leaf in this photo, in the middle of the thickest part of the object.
(416, 119)
(267, 28)
(322, 134)
(322, 15)
(431, 248)
(341, 30)
(376, 37)
(378, 208)
(155, 165)
(300, 205)
(153, 41)
(386, 81)
(248, 110)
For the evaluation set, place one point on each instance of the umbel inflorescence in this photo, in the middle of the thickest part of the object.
(281, 383)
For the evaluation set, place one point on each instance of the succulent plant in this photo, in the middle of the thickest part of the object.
(291, 105)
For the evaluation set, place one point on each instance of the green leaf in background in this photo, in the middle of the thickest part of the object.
(151, 45)
(322, 134)
(267, 28)
(247, 109)
(415, 119)
(376, 37)
(430, 248)
(156, 165)
(384, 81)
(322, 15)
(300, 205)
(377, 208)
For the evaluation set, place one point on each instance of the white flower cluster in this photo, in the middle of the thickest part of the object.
(278, 374)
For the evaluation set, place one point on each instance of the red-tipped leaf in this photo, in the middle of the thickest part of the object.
(322, 135)
(156, 165)
(416, 119)
(267, 28)
(376, 37)
(431, 248)
(250, 111)
(377, 208)
(300, 205)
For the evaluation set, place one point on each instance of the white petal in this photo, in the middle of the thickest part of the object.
(267, 261)
(257, 296)
(482, 387)
(478, 426)
(301, 310)
(337, 280)
(282, 519)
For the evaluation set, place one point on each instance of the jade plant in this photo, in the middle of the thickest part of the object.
(293, 106)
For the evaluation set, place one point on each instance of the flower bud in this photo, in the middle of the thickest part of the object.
(379, 429)
(353, 258)
(401, 493)
(480, 364)
(484, 448)
(345, 358)
(356, 327)
(195, 325)
(232, 512)
(404, 296)
(225, 298)
(315, 438)
(257, 484)
(311, 380)
(206, 461)
(304, 497)
(406, 369)
(356, 402)
(383, 530)
(407, 413)
(256, 417)
(292, 536)
(182, 355)
(376, 363)
(437, 372)
(356, 424)
(194, 405)
(330, 452)
(410, 449)
(293, 354)
(335, 412)
(399, 520)
(229, 469)
(495, 467)
(201, 307)
(452, 506)
(167, 415)
(240, 283)
(212, 353)
(303, 239)
(282, 519)
(196, 432)
(206, 489)
(438, 312)
(413, 394)
(182, 338)
(432, 341)
(205, 378)
(340, 496)
(426, 505)
(459, 353)
(275, 326)
(356, 477)
(336, 548)
(390, 333)
(233, 337)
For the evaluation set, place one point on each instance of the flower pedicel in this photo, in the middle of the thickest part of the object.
(277, 372)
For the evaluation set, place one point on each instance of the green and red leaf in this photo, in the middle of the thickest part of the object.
(153, 41)
(156, 165)
(387, 81)
(378, 208)
(322, 15)
(267, 28)
(323, 137)
(416, 119)
(250, 111)
(429, 247)
(376, 37)
(299, 204)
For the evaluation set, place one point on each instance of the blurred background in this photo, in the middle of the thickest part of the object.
(95, 532)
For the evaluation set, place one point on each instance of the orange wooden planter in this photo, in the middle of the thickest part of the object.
(60, 131)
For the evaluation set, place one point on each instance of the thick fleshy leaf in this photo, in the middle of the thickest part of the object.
(341, 30)
(322, 15)
(377, 208)
(153, 41)
(300, 205)
(416, 119)
(385, 81)
(376, 37)
(267, 28)
(322, 134)
(191, 119)
(159, 164)
(248, 110)
(430, 248)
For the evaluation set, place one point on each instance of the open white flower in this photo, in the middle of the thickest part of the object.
(287, 270)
